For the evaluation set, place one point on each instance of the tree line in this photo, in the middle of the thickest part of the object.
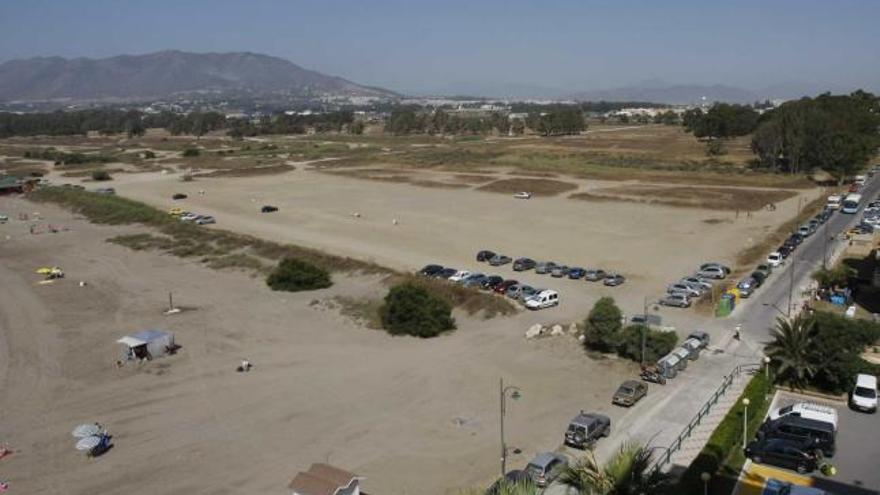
(411, 120)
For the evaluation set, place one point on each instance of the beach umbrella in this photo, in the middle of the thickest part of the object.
(86, 430)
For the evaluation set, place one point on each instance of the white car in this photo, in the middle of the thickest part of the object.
(190, 217)
(205, 220)
(775, 259)
(713, 272)
(699, 282)
(523, 195)
(543, 299)
(4, 219)
(809, 410)
(864, 394)
(459, 276)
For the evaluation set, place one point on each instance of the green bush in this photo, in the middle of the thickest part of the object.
(602, 326)
(837, 343)
(412, 310)
(190, 152)
(101, 175)
(293, 275)
(149, 155)
(657, 343)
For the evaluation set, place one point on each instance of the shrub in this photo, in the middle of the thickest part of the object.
(149, 155)
(602, 326)
(293, 275)
(412, 310)
(190, 152)
(657, 343)
(101, 175)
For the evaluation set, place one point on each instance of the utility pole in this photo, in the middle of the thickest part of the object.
(644, 330)
(791, 283)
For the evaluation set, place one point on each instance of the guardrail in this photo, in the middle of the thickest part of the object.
(676, 444)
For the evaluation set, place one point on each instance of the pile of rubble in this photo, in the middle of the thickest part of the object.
(537, 330)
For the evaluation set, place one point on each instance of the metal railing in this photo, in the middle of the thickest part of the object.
(676, 444)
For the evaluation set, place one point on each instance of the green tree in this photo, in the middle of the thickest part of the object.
(836, 350)
(191, 152)
(294, 275)
(101, 175)
(790, 351)
(412, 310)
(602, 326)
(657, 343)
(833, 277)
(627, 473)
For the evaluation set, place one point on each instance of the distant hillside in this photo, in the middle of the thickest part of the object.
(166, 73)
(675, 95)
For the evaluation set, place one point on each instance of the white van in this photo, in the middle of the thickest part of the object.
(860, 180)
(864, 395)
(834, 201)
(543, 299)
(808, 410)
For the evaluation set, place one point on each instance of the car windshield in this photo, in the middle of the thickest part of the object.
(866, 392)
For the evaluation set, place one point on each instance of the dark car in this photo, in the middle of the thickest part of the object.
(499, 259)
(485, 255)
(759, 277)
(808, 432)
(702, 337)
(177, 196)
(783, 251)
(796, 239)
(430, 270)
(586, 428)
(576, 273)
(269, 209)
(594, 275)
(523, 264)
(544, 267)
(445, 273)
(629, 392)
(491, 281)
(503, 286)
(511, 478)
(614, 279)
(784, 453)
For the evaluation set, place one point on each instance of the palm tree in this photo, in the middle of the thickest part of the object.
(790, 351)
(629, 472)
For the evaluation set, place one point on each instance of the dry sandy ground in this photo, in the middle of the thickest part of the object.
(413, 416)
(651, 245)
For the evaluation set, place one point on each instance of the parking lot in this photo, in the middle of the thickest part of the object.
(857, 457)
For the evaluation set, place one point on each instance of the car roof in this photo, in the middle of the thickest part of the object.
(798, 420)
(868, 381)
(544, 458)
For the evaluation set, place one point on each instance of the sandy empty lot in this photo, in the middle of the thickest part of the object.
(413, 416)
(651, 245)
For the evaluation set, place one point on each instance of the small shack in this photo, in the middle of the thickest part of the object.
(324, 479)
(148, 344)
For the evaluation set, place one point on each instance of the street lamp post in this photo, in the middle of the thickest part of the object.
(514, 394)
(705, 477)
(792, 268)
(644, 329)
(745, 421)
(767, 367)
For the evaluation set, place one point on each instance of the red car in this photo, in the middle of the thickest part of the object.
(503, 286)
(854, 188)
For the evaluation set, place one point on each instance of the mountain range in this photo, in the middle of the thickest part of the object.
(167, 73)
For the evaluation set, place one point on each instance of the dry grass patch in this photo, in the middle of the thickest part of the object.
(255, 171)
(714, 198)
(538, 187)
(758, 251)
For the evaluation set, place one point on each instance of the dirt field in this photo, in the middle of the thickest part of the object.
(413, 416)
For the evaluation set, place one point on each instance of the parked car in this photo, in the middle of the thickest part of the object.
(613, 280)
(525, 292)
(683, 289)
(177, 211)
(746, 287)
(594, 275)
(796, 239)
(724, 268)
(268, 209)
(190, 217)
(205, 220)
(523, 264)
(430, 270)
(775, 259)
(485, 255)
(699, 282)
(503, 286)
(629, 392)
(544, 299)
(576, 273)
(177, 196)
(4, 218)
(864, 394)
(559, 271)
(809, 410)
(546, 467)
(544, 267)
(647, 320)
(587, 428)
(759, 277)
(713, 272)
(784, 250)
(816, 434)
(703, 337)
(490, 282)
(511, 478)
(523, 195)
(446, 273)
(805, 231)
(677, 300)
(459, 276)
(473, 280)
(106, 190)
(784, 453)
(499, 259)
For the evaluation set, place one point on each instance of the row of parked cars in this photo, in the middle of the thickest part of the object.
(681, 294)
(610, 279)
(186, 216)
(530, 297)
(800, 435)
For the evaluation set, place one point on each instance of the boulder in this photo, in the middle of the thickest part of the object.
(534, 331)
(573, 328)
(557, 330)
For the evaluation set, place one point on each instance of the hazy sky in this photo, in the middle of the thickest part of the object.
(420, 46)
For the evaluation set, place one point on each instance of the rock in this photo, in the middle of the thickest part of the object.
(534, 331)
(557, 330)
(581, 337)
(573, 328)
